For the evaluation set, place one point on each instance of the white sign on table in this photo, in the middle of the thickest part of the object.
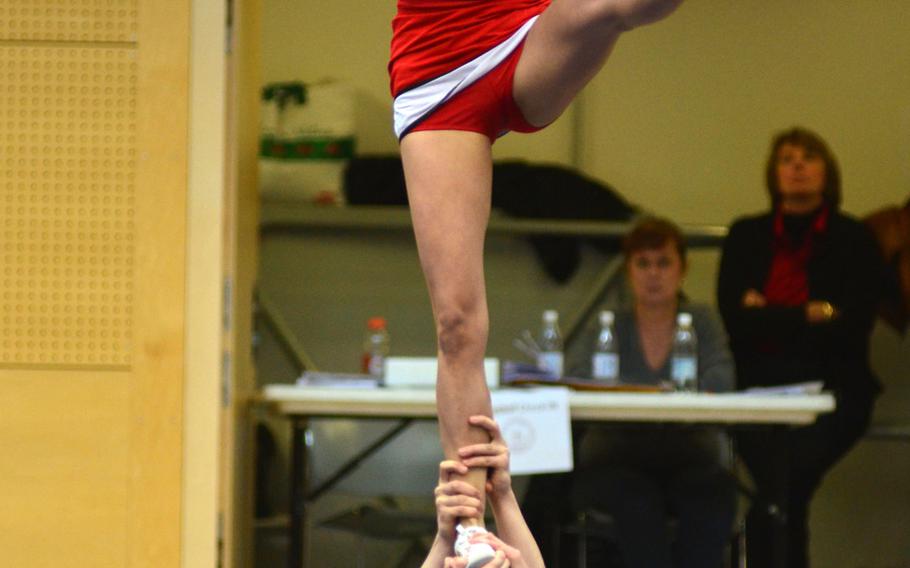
(536, 425)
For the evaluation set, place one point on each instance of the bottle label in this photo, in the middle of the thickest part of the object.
(551, 362)
(683, 372)
(376, 366)
(605, 367)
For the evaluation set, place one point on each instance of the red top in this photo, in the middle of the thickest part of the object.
(432, 37)
(788, 279)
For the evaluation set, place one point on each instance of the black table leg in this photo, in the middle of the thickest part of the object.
(300, 493)
(298, 488)
(778, 500)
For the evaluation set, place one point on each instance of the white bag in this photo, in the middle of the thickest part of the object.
(308, 136)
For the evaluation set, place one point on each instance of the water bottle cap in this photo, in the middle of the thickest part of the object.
(376, 324)
(606, 318)
(550, 316)
(684, 318)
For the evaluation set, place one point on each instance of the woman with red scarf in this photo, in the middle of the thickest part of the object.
(797, 290)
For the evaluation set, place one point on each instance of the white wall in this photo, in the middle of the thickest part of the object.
(348, 40)
(682, 115)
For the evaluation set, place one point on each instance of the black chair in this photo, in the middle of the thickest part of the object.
(587, 525)
(388, 523)
(599, 526)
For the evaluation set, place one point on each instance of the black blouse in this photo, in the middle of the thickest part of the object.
(775, 344)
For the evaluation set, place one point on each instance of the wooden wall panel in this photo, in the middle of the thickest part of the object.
(162, 117)
(67, 197)
(64, 474)
(69, 20)
(93, 181)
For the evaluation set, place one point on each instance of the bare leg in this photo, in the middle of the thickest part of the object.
(569, 44)
(449, 177)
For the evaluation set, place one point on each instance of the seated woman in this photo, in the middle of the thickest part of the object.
(797, 288)
(643, 477)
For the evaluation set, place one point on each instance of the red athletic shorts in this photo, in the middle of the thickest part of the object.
(453, 62)
(487, 106)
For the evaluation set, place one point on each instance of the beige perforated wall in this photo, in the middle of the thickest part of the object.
(67, 188)
(68, 20)
(93, 232)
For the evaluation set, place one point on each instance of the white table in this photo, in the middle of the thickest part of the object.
(291, 400)
(299, 404)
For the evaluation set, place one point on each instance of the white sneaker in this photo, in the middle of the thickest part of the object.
(477, 553)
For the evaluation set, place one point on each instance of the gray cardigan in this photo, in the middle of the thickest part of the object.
(715, 363)
(656, 446)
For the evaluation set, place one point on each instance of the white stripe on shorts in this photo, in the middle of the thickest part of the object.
(414, 104)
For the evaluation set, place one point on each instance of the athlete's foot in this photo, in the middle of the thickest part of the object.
(477, 553)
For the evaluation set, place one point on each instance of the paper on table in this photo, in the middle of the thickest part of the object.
(810, 387)
(339, 380)
(535, 424)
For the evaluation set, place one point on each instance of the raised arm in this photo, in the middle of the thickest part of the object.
(510, 523)
(454, 499)
(860, 288)
(749, 323)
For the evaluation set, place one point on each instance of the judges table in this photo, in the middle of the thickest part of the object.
(299, 404)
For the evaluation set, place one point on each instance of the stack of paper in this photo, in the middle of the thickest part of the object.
(811, 387)
(340, 380)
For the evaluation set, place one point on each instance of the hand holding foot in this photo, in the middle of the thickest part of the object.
(457, 499)
(493, 455)
(474, 547)
(506, 556)
(454, 499)
(510, 523)
(498, 561)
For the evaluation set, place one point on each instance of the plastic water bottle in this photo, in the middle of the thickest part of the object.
(605, 360)
(550, 357)
(375, 347)
(684, 363)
